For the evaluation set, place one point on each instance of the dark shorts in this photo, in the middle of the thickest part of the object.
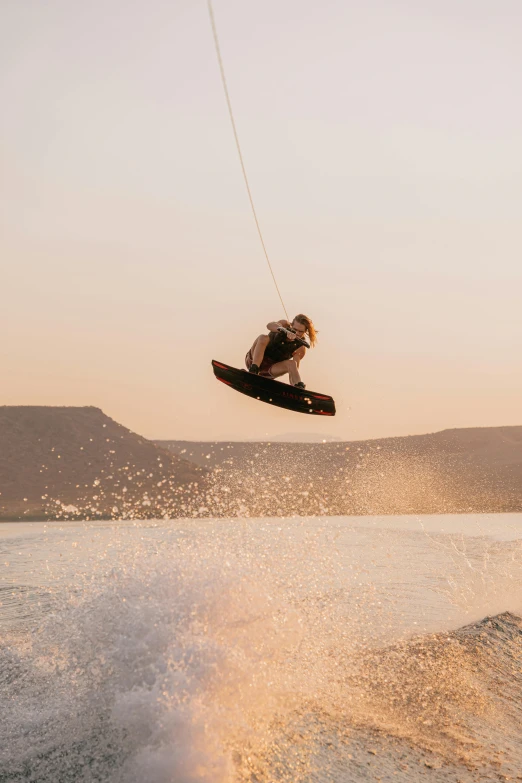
(266, 364)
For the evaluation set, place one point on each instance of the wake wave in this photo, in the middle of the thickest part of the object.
(153, 676)
(456, 695)
(206, 664)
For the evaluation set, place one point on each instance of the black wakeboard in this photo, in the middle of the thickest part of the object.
(274, 392)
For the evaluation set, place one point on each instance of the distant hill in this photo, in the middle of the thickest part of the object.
(300, 437)
(451, 471)
(55, 458)
(61, 462)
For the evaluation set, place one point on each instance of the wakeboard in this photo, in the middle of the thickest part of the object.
(274, 392)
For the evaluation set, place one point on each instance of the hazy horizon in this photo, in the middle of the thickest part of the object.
(383, 147)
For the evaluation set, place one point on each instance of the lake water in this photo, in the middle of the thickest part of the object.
(304, 649)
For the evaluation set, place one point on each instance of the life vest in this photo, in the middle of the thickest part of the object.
(279, 347)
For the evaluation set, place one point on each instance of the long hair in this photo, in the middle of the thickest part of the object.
(309, 326)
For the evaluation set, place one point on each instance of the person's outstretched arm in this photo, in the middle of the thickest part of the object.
(274, 326)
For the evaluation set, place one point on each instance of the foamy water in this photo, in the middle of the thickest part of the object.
(261, 650)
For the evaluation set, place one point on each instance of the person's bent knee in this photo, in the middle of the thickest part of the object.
(263, 338)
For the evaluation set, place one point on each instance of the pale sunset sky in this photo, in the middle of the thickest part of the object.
(383, 142)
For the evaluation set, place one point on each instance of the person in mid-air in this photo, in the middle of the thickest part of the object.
(275, 354)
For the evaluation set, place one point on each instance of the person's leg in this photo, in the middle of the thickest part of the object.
(282, 368)
(258, 349)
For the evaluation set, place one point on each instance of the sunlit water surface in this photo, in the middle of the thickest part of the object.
(260, 649)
